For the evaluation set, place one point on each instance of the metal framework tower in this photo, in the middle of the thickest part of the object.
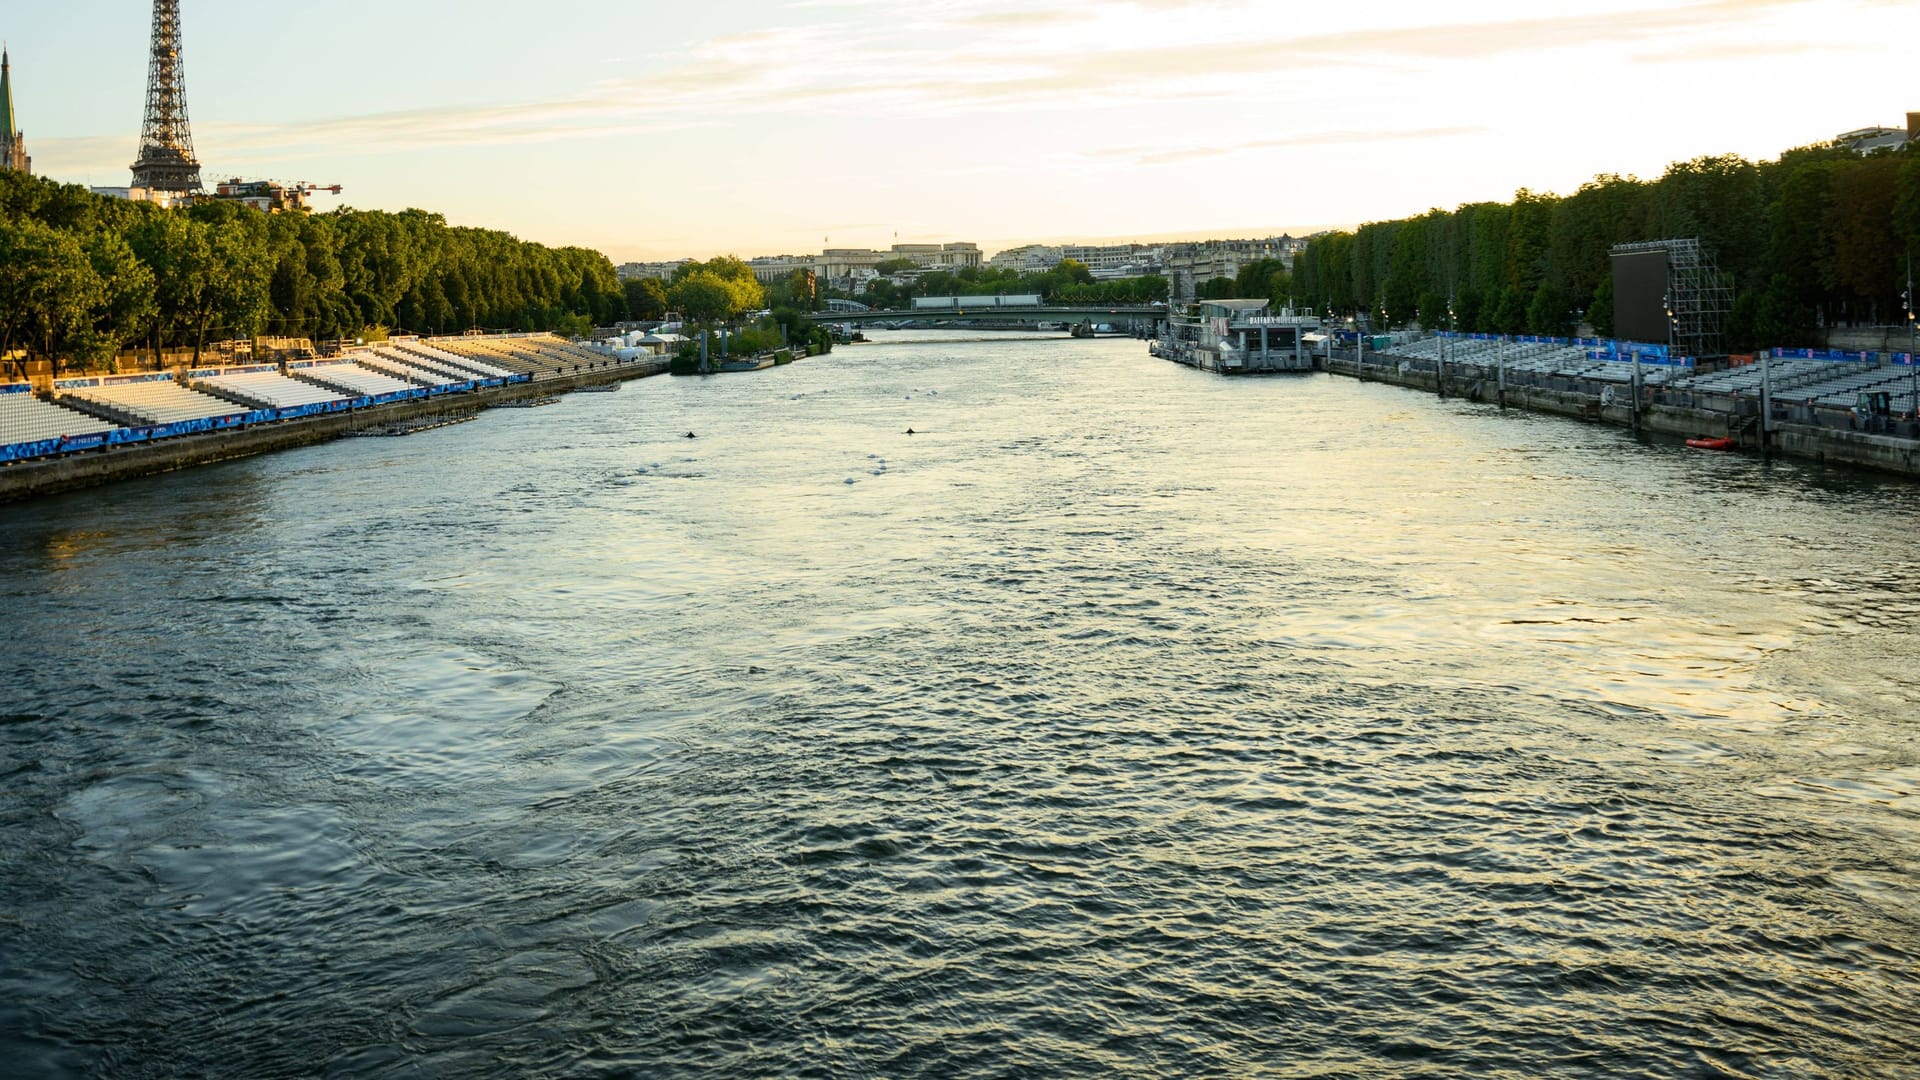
(1699, 297)
(166, 160)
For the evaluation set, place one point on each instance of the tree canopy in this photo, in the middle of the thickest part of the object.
(718, 290)
(1817, 238)
(83, 276)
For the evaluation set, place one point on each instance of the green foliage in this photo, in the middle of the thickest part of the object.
(1548, 313)
(1220, 288)
(799, 289)
(753, 340)
(1600, 311)
(646, 299)
(50, 294)
(218, 270)
(1073, 272)
(1264, 278)
(719, 290)
(702, 297)
(785, 328)
(1818, 237)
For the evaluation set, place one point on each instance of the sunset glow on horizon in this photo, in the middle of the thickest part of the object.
(656, 131)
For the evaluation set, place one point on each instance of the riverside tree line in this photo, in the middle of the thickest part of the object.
(84, 276)
(1819, 238)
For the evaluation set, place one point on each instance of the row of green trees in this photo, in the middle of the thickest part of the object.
(83, 276)
(1819, 237)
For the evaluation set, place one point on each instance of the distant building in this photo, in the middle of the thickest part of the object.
(1190, 265)
(13, 144)
(952, 256)
(768, 269)
(1116, 260)
(1867, 140)
(662, 270)
(849, 269)
(267, 196)
(165, 200)
(1027, 259)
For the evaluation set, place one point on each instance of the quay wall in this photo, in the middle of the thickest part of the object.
(1884, 453)
(51, 476)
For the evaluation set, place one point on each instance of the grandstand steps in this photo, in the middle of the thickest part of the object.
(101, 410)
(387, 367)
(235, 396)
(311, 379)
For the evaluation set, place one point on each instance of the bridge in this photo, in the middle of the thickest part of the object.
(1120, 316)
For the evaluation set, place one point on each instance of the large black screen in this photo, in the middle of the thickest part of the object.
(1640, 296)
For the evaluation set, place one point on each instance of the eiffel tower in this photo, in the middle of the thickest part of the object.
(166, 146)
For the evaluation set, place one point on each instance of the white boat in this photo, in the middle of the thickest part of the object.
(1235, 337)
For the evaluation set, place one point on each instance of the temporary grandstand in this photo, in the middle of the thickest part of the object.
(400, 365)
(27, 419)
(1822, 389)
(351, 378)
(1562, 364)
(541, 356)
(266, 388)
(147, 400)
(1817, 388)
(97, 412)
(452, 362)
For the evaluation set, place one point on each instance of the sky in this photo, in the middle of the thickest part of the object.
(652, 130)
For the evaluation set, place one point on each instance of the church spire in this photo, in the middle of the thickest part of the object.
(6, 95)
(13, 146)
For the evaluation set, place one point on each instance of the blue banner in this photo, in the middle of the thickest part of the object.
(23, 450)
(1829, 355)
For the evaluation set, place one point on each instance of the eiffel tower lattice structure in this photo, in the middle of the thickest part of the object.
(166, 160)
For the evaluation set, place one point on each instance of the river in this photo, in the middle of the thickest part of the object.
(1122, 720)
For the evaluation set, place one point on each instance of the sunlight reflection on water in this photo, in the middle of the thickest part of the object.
(1123, 719)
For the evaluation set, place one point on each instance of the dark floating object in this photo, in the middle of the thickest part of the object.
(399, 428)
(688, 435)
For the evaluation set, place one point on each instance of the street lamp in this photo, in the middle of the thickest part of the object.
(1913, 361)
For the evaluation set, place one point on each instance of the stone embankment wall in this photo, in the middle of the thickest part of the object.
(1885, 453)
(31, 479)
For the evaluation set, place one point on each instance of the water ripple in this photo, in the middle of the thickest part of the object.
(1135, 722)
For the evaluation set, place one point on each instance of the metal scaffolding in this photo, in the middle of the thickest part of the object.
(1698, 299)
(166, 161)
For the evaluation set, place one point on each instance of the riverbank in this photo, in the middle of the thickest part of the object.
(1592, 403)
(50, 476)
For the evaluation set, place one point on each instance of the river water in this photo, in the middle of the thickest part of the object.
(1124, 720)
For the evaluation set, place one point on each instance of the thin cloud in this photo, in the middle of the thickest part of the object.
(903, 65)
(1162, 155)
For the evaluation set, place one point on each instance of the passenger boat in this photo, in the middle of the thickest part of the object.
(1709, 442)
(1236, 337)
